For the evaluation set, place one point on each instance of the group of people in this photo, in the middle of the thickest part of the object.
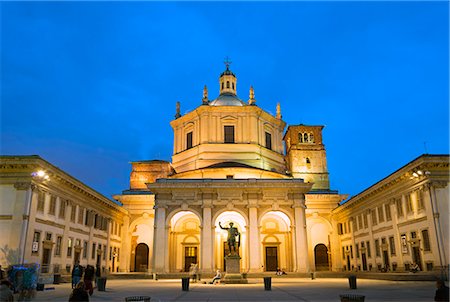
(195, 276)
(82, 289)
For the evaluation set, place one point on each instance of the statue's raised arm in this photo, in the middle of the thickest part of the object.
(222, 227)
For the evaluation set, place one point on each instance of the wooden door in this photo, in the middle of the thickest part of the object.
(271, 258)
(190, 256)
(321, 257)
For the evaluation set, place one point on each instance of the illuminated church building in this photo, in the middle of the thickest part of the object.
(232, 162)
(229, 164)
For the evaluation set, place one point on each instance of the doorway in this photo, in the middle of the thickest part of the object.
(386, 260)
(190, 256)
(321, 257)
(141, 258)
(416, 256)
(46, 254)
(364, 261)
(271, 258)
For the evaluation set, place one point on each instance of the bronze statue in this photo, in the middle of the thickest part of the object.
(231, 240)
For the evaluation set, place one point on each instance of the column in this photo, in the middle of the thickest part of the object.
(254, 244)
(160, 240)
(124, 260)
(301, 243)
(207, 240)
(21, 216)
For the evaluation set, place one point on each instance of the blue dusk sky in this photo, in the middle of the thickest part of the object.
(92, 86)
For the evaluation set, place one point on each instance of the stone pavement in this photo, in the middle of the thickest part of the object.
(286, 289)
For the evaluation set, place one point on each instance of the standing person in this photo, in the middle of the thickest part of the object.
(98, 274)
(88, 278)
(77, 273)
(79, 293)
(442, 291)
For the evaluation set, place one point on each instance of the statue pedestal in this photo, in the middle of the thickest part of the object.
(233, 271)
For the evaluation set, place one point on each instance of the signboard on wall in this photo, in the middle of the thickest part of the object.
(35, 246)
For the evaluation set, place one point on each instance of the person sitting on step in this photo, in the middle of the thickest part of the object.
(216, 279)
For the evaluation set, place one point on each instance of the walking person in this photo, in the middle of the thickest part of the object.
(89, 278)
(442, 291)
(77, 273)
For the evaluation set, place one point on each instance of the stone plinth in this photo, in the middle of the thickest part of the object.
(233, 270)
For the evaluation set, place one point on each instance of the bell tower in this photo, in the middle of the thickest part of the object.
(305, 155)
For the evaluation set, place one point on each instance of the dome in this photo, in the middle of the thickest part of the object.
(227, 99)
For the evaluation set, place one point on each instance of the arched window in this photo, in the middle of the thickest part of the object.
(222, 85)
(232, 84)
(311, 138)
(300, 137)
(228, 84)
(305, 137)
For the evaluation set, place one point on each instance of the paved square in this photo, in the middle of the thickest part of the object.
(286, 289)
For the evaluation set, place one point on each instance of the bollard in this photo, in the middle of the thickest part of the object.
(101, 284)
(352, 281)
(267, 283)
(185, 284)
(313, 276)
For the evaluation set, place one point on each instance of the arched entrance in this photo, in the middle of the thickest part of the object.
(141, 259)
(321, 257)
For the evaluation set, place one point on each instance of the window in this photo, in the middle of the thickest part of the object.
(413, 235)
(343, 253)
(69, 247)
(399, 205)
(62, 208)
(311, 138)
(420, 205)
(110, 253)
(360, 222)
(41, 202)
(340, 229)
(366, 224)
(377, 247)
(104, 252)
(189, 140)
(351, 251)
(355, 223)
(58, 246)
(36, 242)
(228, 84)
(426, 241)
(48, 236)
(392, 245)
(308, 161)
(409, 205)
(380, 214)
(232, 84)
(222, 85)
(52, 208)
(387, 209)
(85, 249)
(300, 137)
(80, 215)
(368, 249)
(87, 217)
(268, 140)
(357, 250)
(374, 217)
(305, 137)
(93, 251)
(73, 212)
(228, 134)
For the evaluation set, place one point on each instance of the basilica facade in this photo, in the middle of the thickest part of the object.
(233, 162)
